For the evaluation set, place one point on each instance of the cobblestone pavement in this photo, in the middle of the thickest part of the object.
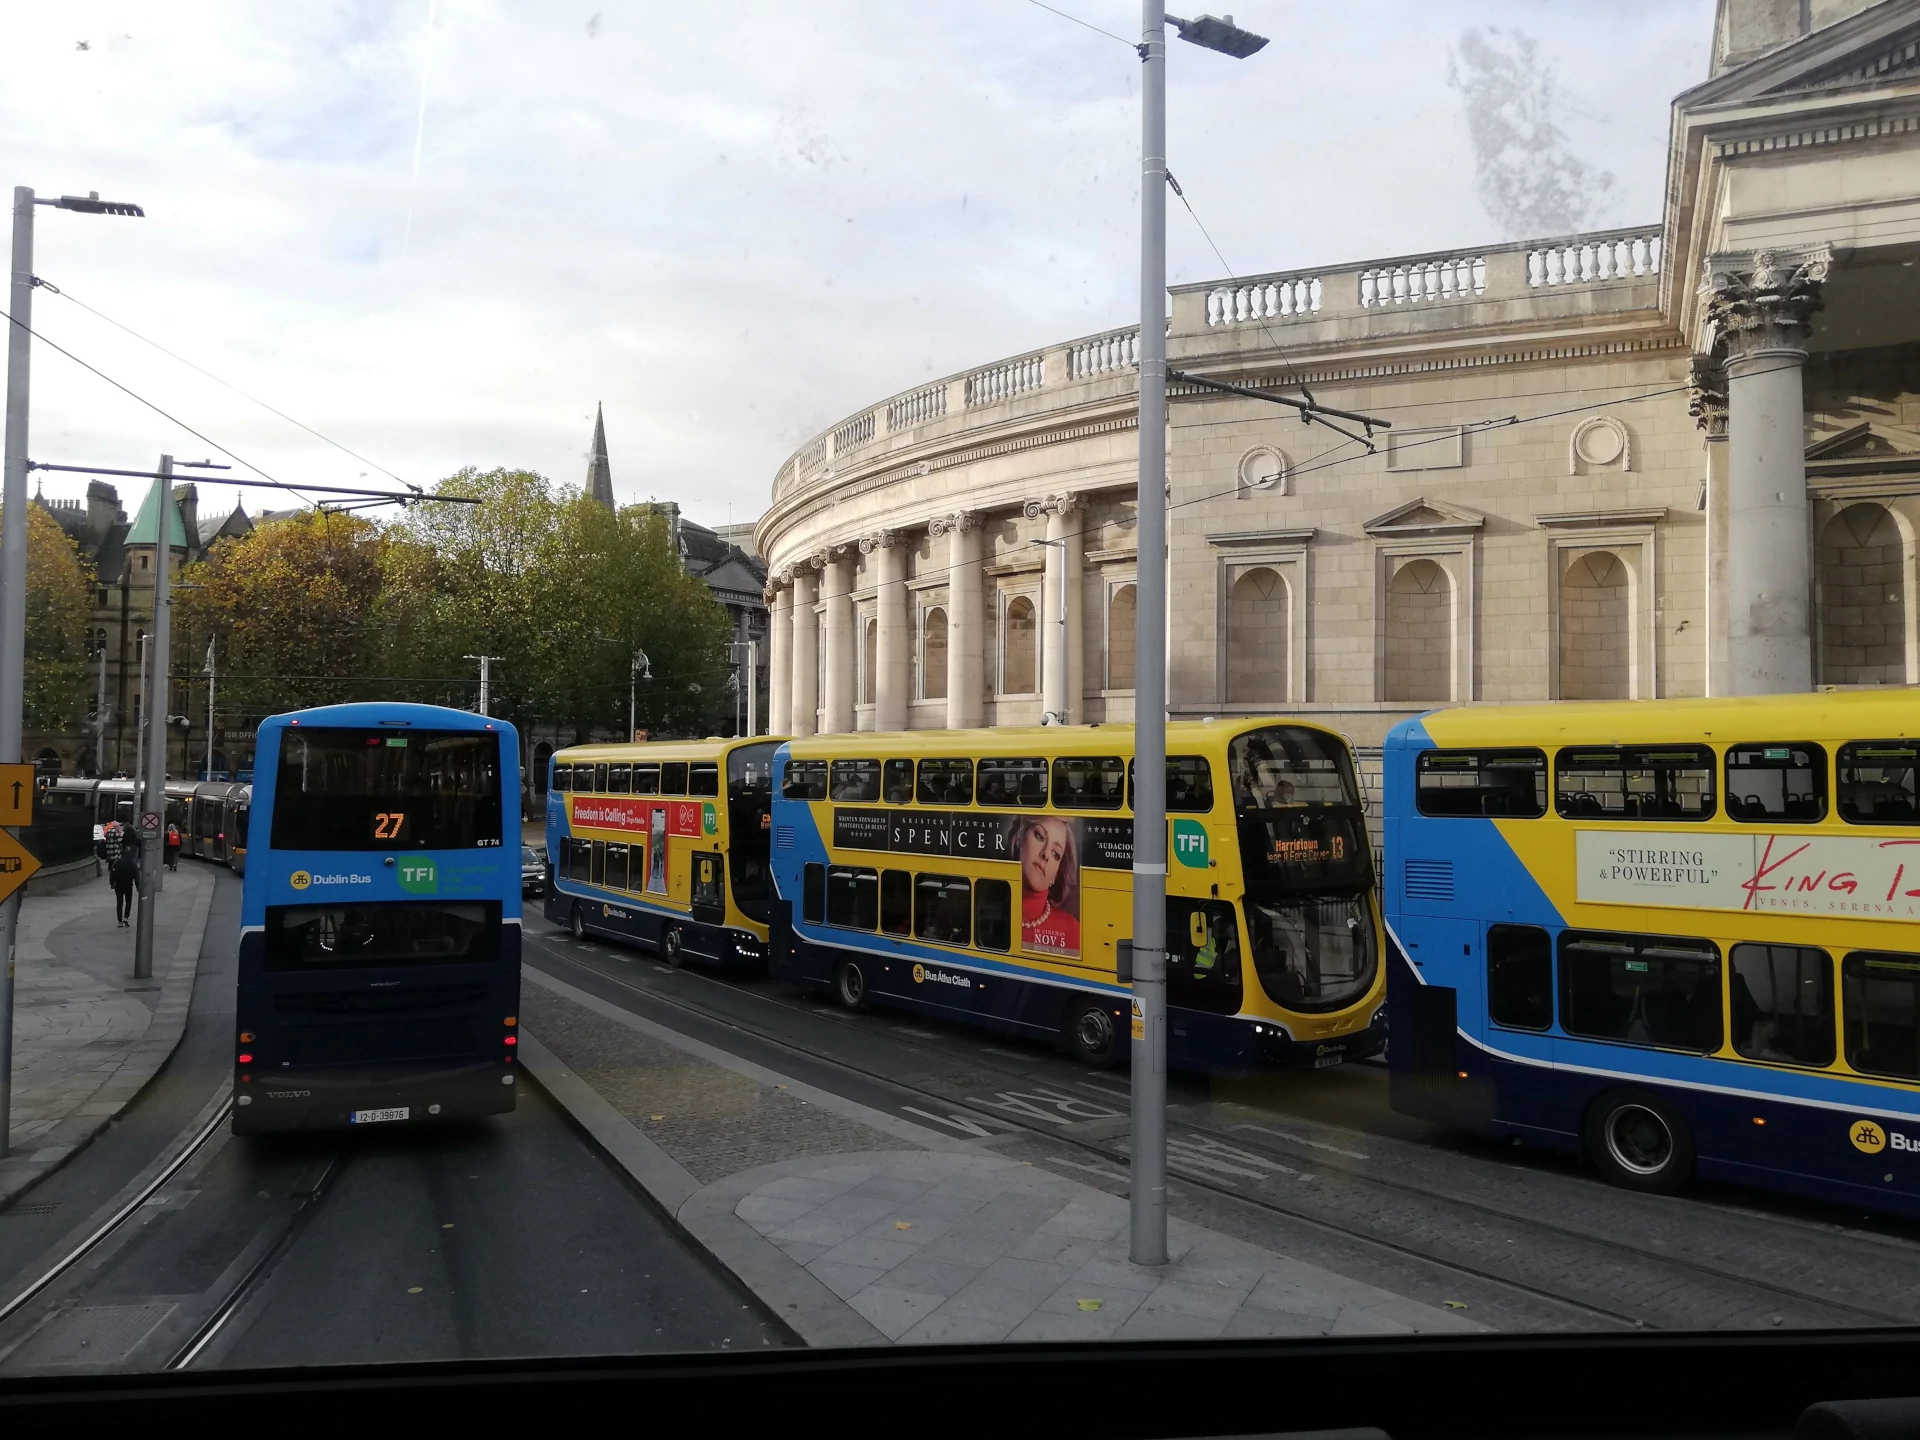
(87, 1036)
(860, 1234)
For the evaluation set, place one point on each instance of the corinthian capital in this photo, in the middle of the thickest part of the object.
(1763, 301)
(1707, 396)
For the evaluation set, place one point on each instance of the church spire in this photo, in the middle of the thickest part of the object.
(599, 472)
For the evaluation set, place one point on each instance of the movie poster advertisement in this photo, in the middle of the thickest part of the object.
(1047, 849)
(657, 853)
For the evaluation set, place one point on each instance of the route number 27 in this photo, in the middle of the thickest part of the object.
(387, 823)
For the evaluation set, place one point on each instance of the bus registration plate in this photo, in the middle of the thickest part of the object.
(1321, 1062)
(374, 1117)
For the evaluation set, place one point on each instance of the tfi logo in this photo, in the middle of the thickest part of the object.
(419, 877)
(1190, 844)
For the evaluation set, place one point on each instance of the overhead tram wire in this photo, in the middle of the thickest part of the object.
(1133, 45)
(53, 289)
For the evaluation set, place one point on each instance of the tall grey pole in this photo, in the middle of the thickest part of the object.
(152, 809)
(100, 716)
(1149, 1157)
(753, 687)
(13, 593)
(210, 677)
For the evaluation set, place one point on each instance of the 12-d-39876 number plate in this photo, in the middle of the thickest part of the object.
(375, 1117)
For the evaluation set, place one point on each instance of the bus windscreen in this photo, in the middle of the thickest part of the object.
(1298, 812)
(381, 935)
(341, 789)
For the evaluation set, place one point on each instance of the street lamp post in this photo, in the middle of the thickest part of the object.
(640, 668)
(13, 561)
(152, 809)
(1148, 1183)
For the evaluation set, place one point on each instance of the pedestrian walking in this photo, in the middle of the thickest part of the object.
(124, 873)
(173, 847)
(107, 849)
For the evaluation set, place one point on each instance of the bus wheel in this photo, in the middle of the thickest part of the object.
(850, 986)
(1092, 1035)
(1640, 1142)
(670, 946)
(577, 923)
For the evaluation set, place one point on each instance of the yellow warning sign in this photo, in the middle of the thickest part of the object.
(1139, 1022)
(17, 865)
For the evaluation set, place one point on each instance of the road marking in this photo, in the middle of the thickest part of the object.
(1101, 1170)
(1205, 1153)
(1071, 1108)
(958, 1122)
(1303, 1140)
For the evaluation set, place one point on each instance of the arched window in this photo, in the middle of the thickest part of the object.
(933, 652)
(1863, 599)
(1420, 633)
(1596, 628)
(1120, 637)
(869, 656)
(1017, 649)
(1257, 634)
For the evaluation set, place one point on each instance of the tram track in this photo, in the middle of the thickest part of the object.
(258, 1259)
(1468, 1212)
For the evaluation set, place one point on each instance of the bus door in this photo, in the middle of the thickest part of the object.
(1446, 956)
(709, 890)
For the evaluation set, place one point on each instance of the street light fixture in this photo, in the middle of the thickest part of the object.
(13, 560)
(1148, 1187)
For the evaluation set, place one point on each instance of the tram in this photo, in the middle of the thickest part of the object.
(1682, 936)
(986, 876)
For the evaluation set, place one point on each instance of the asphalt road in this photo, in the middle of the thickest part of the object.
(512, 1236)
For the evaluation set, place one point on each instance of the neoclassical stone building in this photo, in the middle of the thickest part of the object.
(1679, 459)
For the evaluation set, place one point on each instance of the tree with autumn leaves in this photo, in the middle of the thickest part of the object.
(327, 607)
(58, 581)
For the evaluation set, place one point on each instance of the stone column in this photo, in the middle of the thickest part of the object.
(1707, 403)
(1060, 650)
(841, 666)
(893, 629)
(1760, 312)
(805, 652)
(966, 620)
(779, 654)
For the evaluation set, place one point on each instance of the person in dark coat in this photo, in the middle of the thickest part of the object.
(124, 874)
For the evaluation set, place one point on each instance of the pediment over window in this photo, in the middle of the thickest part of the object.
(1422, 516)
(1869, 448)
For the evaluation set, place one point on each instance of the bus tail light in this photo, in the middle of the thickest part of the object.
(245, 1058)
(510, 1020)
(513, 1040)
(246, 1037)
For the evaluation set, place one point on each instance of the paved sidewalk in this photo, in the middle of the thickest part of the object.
(858, 1227)
(87, 1036)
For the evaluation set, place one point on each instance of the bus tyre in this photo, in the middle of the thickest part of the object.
(670, 946)
(850, 985)
(1093, 1035)
(1639, 1142)
(577, 923)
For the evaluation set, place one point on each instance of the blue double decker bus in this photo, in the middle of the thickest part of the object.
(379, 976)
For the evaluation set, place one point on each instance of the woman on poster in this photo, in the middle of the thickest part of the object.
(1047, 848)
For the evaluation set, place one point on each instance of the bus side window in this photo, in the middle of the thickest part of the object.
(855, 781)
(1203, 955)
(805, 780)
(600, 778)
(646, 779)
(599, 862)
(853, 899)
(1660, 990)
(1782, 1003)
(1189, 784)
(704, 779)
(1520, 977)
(813, 895)
(1013, 782)
(673, 777)
(993, 914)
(1777, 782)
(1880, 994)
(580, 860)
(941, 908)
(619, 779)
(946, 782)
(1481, 782)
(562, 777)
(1876, 782)
(897, 787)
(617, 867)
(896, 900)
(1089, 782)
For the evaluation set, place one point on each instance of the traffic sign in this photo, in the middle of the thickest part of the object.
(150, 822)
(17, 865)
(16, 794)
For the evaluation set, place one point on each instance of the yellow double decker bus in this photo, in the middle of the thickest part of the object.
(987, 876)
(663, 844)
(1683, 936)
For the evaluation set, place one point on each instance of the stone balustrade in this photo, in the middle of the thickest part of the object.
(917, 408)
(851, 433)
(1268, 298)
(1455, 278)
(1103, 354)
(1584, 261)
(1009, 378)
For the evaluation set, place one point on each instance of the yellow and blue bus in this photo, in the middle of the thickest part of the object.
(987, 876)
(379, 965)
(664, 844)
(1682, 936)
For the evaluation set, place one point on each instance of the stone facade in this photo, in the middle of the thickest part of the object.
(1678, 459)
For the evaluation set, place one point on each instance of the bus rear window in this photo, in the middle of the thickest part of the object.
(1876, 782)
(381, 935)
(1481, 782)
(340, 789)
(1634, 782)
(750, 770)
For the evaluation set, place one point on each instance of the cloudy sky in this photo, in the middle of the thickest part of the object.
(731, 224)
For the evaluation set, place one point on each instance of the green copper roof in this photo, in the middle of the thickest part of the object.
(144, 531)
